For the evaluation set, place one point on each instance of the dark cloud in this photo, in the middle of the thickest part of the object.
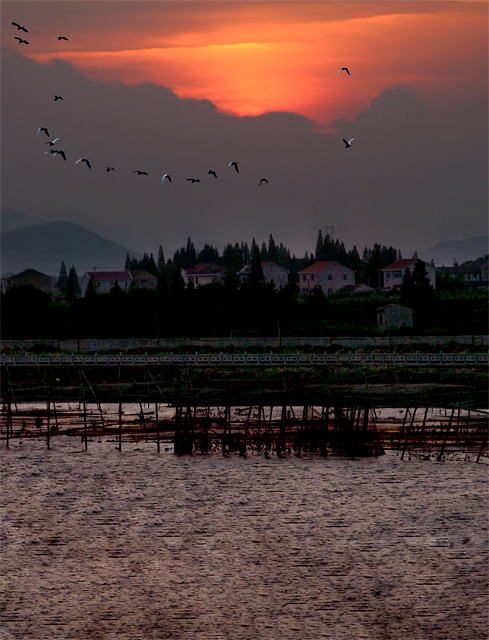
(411, 179)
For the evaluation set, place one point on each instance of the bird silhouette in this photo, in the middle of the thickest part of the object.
(61, 38)
(21, 41)
(58, 98)
(263, 180)
(348, 142)
(110, 169)
(58, 152)
(43, 129)
(193, 180)
(235, 165)
(85, 161)
(344, 69)
(52, 142)
(167, 175)
(19, 27)
(212, 173)
(141, 173)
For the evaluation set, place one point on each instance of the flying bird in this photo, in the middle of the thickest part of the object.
(43, 129)
(212, 173)
(110, 169)
(141, 173)
(52, 142)
(235, 165)
(348, 142)
(193, 180)
(167, 175)
(21, 41)
(19, 28)
(61, 38)
(58, 152)
(85, 161)
(263, 180)
(58, 98)
(344, 69)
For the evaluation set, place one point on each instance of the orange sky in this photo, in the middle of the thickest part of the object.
(250, 58)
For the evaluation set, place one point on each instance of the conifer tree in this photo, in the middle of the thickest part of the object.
(63, 279)
(161, 261)
(73, 286)
(256, 272)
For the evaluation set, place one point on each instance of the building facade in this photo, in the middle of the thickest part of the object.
(272, 272)
(29, 277)
(393, 316)
(330, 276)
(205, 273)
(394, 273)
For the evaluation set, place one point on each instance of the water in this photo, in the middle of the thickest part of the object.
(102, 544)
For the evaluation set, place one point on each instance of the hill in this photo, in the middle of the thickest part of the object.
(45, 246)
(12, 220)
(444, 253)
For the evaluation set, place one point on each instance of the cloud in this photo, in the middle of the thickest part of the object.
(407, 181)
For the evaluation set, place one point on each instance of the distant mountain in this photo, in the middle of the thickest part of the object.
(444, 253)
(45, 246)
(11, 220)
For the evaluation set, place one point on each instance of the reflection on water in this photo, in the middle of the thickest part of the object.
(102, 544)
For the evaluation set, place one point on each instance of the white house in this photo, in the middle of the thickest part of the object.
(330, 276)
(394, 273)
(105, 280)
(205, 273)
(272, 272)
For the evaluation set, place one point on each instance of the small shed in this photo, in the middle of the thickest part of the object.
(393, 316)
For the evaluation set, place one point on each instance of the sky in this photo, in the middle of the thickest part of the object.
(182, 87)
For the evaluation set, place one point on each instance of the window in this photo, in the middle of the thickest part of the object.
(303, 277)
(330, 277)
(344, 276)
(312, 278)
(396, 274)
(388, 275)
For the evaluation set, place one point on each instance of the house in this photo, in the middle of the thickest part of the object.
(474, 272)
(105, 280)
(330, 276)
(143, 280)
(394, 273)
(393, 316)
(205, 273)
(272, 272)
(29, 277)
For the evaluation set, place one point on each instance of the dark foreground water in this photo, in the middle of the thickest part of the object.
(104, 545)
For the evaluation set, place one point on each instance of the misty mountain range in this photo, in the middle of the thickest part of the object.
(30, 242)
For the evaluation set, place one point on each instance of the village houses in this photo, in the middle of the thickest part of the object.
(105, 280)
(272, 272)
(330, 276)
(394, 273)
(204, 273)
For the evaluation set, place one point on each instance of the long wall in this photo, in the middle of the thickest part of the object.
(100, 345)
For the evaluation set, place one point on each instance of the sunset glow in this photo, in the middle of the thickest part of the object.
(250, 58)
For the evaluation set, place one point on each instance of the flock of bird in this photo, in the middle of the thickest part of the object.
(166, 176)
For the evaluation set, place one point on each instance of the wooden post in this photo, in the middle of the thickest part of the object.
(408, 433)
(85, 434)
(48, 430)
(446, 435)
(120, 425)
(9, 417)
(421, 435)
(157, 428)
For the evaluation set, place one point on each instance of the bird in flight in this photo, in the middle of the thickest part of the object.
(56, 152)
(167, 175)
(235, 165)
(141, 173)
(344, 69)
(61, 38)
(110, 169)
(21, 41)
(85, 161)
(43, 129)
(263, 180)
(192, 180)
(58, 98)
(52, 142)
(348, 142)
(212, 173)
(19, 27)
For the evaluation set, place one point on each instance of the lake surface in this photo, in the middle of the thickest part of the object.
(102, 544)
